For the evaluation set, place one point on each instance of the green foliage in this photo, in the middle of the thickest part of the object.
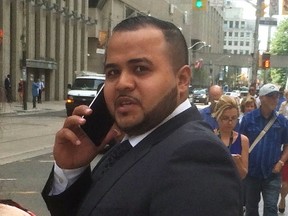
(279, 46)
(278, 75)
(279, 43)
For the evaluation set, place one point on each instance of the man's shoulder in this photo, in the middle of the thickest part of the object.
(205, 110)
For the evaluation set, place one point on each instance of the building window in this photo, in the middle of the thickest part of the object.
(248, 34)
(225, 42)
(235, 51)
(242, 24)
(230, 24)
(247, 52)
(236, 34)
(241, 34)
(230, 43)
(247, 43)
(237, 24)
(225, 34)
(230, 34)
(241, 43)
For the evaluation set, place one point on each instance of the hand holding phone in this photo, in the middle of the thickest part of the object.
(100, 121)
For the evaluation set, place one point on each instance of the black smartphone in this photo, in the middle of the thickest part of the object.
(100, 121)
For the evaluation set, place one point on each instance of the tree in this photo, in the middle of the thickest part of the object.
(279, 46)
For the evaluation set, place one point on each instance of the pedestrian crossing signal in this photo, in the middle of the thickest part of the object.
(266, 64)
(266, 60)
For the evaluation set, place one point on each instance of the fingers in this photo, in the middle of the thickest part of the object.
(71, 131)
(76, 118)
(65, 135)
(114, 133)
(82, 110)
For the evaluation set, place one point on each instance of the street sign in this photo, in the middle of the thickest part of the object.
(268, 21)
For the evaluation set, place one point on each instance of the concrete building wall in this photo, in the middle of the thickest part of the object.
(5, 52)
(51, 35)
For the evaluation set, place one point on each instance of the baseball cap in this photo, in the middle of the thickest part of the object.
(267, 89)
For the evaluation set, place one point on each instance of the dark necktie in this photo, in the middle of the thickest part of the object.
(117, 152)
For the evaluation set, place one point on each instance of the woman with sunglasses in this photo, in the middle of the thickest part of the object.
(227, 113)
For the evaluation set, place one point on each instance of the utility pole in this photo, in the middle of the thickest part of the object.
(255, 56)
(24, 71)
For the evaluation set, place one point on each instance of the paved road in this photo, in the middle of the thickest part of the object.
(25, 136)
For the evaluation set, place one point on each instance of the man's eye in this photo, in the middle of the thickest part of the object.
(110, 73)
(140, 69)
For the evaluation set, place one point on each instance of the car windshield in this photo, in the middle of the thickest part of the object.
(202, 91)
(86, 84)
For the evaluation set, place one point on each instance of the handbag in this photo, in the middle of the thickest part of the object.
(263, 132)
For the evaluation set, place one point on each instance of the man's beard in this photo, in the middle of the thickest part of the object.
(154, 117)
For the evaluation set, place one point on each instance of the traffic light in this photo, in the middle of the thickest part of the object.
(266, 60)
(263, 7)
(284, 7)
(199, 5)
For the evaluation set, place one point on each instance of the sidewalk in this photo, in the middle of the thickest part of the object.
(16, 108)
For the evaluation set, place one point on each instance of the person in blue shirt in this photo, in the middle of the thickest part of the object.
(282, 98)
(266, 159)
(35, 92)
(215, 92)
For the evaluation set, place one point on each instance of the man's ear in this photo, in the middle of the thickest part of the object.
(184, 78)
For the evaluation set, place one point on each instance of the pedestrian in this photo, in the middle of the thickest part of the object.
(35, 92)
(265, 159)
(247, 105)
(8, 88)
(40, 90)
(227, 113)
(253, 93)
(282, 98)
(20, 90)
(174, 164)
(215, 92)
(283, 109)
(284, 173)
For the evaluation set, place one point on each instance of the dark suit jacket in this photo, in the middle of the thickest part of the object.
(181, 168)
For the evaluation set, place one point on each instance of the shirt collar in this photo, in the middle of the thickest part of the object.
(134, 140)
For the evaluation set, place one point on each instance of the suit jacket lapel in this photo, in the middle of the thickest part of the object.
(100, 187)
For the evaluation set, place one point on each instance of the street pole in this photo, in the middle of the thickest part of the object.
(24, 70)
(255, 56)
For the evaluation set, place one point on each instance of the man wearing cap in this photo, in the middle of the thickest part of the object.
(266, 159)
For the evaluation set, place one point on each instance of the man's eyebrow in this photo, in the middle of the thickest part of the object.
(131, 61)
(139, 60)
(110, 65)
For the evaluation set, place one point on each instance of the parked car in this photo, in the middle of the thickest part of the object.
(200, 96)
(190, 96)
(234, 95)
(83, 90)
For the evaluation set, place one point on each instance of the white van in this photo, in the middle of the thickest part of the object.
(83, 90)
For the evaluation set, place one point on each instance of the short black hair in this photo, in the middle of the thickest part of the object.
(172, 34)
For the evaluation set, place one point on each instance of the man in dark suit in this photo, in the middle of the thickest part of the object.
(175, 164)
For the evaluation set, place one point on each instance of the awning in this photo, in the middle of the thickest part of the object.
(43, 64)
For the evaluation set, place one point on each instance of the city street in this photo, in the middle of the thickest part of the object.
(26, 157)
(23, 137)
